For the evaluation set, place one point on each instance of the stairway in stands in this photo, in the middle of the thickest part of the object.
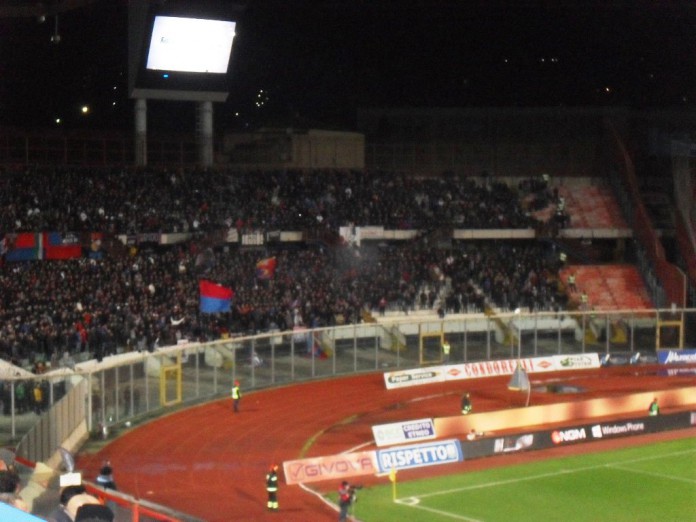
(609, 287)
(592, 206)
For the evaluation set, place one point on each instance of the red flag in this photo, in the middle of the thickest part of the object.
(214, 297)
(265, 269)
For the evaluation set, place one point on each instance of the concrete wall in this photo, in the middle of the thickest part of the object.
(501, 141)
(295, 149)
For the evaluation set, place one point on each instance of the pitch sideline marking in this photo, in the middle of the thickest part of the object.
(651, 473)
(546, 475)
(413, 502)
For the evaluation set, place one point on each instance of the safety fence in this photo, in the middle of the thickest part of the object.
(131, 385)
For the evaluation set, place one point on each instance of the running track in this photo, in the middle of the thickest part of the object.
(211, 463)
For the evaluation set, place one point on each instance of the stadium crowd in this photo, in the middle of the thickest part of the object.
(140, 297)
(126, 200)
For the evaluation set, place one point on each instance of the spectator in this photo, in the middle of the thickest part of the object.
(94, 513)
(10, 481)
(14, 500)
(78, 500)
(60, 513)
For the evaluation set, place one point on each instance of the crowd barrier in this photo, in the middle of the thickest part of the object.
(129, 386)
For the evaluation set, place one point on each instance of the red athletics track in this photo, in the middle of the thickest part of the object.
(210, 463)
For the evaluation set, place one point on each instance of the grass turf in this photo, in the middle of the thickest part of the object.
(649, 483)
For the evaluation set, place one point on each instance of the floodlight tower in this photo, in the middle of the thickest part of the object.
(179, 50)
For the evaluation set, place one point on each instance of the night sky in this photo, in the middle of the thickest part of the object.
(317, 61)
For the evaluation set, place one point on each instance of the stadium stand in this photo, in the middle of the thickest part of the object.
(115, 297)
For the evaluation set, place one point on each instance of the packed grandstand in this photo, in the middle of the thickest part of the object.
(85, 271)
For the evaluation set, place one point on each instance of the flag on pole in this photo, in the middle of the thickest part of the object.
(265, 269)
(214, 297)
(392, 479)
(519, 381)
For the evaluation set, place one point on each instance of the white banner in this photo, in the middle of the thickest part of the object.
(400, 432)
(475, 370)
(403, 378)
(369, 233)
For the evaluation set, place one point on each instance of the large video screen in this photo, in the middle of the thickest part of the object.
(192, 45)
(181, 49)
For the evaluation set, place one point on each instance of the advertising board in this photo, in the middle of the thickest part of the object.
(401, 432)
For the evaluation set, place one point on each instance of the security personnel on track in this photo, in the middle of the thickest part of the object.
(272, 488)
(236, 395)
(571, 283)
(466, 404)
(446, 350)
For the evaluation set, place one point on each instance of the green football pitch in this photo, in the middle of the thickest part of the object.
(652, 483)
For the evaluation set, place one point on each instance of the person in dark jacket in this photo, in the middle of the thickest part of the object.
(60, 514)
(106, 477)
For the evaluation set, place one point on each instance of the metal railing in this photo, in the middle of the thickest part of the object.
(128, 386)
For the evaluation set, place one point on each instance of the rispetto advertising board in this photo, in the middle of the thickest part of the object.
(476, 370)
(419, 455)
(683, 356)
(402, 432)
